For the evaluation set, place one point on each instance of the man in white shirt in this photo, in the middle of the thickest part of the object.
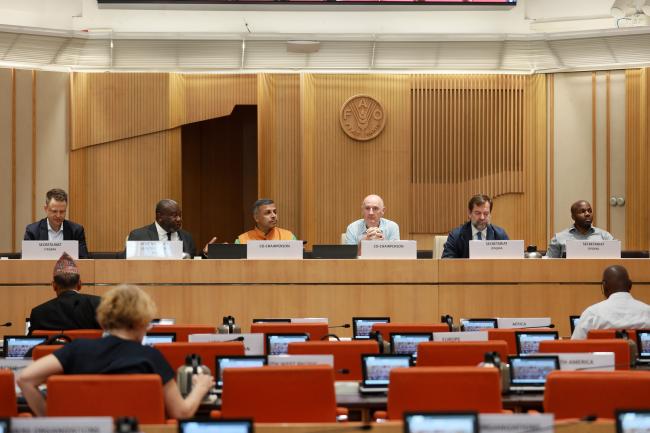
(619, 311)
(373, 226)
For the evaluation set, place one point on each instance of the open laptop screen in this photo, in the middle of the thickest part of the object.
(376, 368)
(278, 344)
(407, 343)
(18, 346)
(528, 342)
(223, 362)
(151, 339)
(216, 426)
(531, 370)
(441, 422)
(573, 322)
(632, 421)
(643, 342)
(361, 326)
(469, 325)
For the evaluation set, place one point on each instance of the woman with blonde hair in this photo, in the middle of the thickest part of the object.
(125, 313)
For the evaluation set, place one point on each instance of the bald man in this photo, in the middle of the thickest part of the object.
(582, 230)
(618, 311)
(373, 226)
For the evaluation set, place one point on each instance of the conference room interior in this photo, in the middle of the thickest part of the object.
(534, 103)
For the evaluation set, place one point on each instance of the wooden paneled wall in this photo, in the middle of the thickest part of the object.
(637, 220)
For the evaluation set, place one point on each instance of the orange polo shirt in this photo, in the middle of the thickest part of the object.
(275, 234)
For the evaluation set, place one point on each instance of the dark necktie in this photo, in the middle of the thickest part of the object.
(169, 236)
(478, 236)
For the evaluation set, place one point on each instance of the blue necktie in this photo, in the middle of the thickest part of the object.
(478, 236)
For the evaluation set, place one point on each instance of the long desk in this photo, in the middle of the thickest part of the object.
(203, 291)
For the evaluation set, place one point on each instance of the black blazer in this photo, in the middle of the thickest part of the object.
(71, 232)
(149, 233)
(457, 245)
(69, 310)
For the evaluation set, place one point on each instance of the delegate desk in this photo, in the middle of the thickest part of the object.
(203, 291)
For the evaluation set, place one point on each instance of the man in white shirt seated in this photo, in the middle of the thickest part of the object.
(619, 311)
(372, 227)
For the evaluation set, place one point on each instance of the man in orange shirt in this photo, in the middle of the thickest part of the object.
(265, 214)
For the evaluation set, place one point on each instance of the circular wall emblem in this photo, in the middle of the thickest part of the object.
(362, 117)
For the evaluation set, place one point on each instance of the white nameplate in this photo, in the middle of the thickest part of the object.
(309, 320)
(596, 361)
(274, 250)
(77, 424)
(49, 250)
(515, 423)
(512, 249)
(449, 337)
(253, 343)
(391, 250)
(523, 322)
(593, 249)
(301, 360)
(154, 250)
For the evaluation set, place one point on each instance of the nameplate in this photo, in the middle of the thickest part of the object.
(309, 320)
(496, 249)
(596, 361)
(593, 249)
(253, 343)
(523, 322)
(97, 424)
(515, 422)
(389, 250)
(154, 250)
(449, 337)
(49, 250)
(301, 360)
(274, 250)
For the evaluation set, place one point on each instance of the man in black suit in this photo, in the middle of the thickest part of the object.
(166, 227)
(70, 309)
(55, 227)
(477, 228)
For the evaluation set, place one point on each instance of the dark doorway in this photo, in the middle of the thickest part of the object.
(220, 175)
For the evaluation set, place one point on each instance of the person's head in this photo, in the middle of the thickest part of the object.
(126, 308)
(169, 215)
(65, 275)
(616, 279)
(373, 210)
(265, 214)
(582, 214)
(56, 205)
(479, 209)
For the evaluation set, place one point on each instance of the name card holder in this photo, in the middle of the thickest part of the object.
(389, 250)
(523, 322)
(301, 360)
(448, 337)
(593, 249)
(77, 424)
(49, 250)
(511, 249)
(154, 250)
(274, 250)
(253, 343)
(596, 361)
(309, 320)
(515, 422)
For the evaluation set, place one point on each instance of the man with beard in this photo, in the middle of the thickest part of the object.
(265, 214)
(582, 230)
(477, 228)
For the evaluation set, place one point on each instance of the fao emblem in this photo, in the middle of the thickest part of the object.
(362, 117)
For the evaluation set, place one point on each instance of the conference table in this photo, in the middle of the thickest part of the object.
(203, 291)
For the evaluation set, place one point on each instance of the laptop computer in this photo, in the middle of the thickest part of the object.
(406, 343)
(470, 325)
(632, 421)
(334, 251)
(151, 339)
(361, 326)
(375, 370)
(233, 361)
(215, 426)
(20, 346)
(528, 373)
(643, 344)
(227, 251)
(277, 344)
(573, 322)
(528, 342)
(440, 422)
(5, 425)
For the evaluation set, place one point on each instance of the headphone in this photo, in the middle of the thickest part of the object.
(326, 337)
(384, 346)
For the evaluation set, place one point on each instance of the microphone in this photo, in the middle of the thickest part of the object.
(557, 425)
(9, 324)
(342, 371)
(240, 338)
(345, 325)
(533, 327)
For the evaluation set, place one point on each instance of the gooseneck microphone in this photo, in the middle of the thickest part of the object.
(345, 325)
(6, 324)
(240, 338)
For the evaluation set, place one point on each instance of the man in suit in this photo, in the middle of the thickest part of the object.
(70, 309)
(55, 227)
(477, 228)
(166, 227)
